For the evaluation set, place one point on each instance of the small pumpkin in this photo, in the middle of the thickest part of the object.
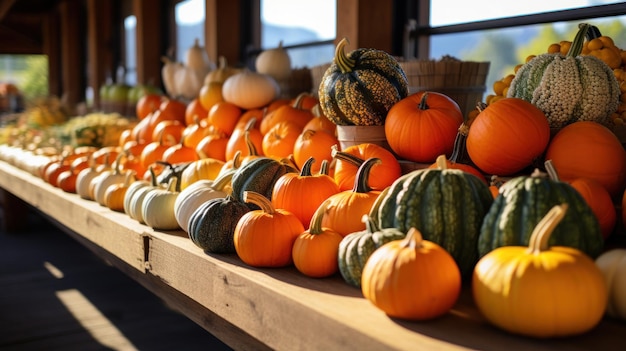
(348, 161)
(274, 62)
(543, 298)
(303, 193)
(107, 178)
(206, 168)
(265, 237)
(157, 210)
(507, 136)
(313, 144)
(258, 175)
(612, 264)
(422, 126)
(346, 208)
(360, 87)
(315, 250)
(395, 276)
(114, 194)
(294, 112)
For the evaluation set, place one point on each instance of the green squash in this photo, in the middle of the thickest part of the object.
(521, 204)
(258, 175)
(359, 88)
(446, 205)
(212, 224)
(356, 248)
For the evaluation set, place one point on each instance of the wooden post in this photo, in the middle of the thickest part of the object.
(100, 57)
(149, 41)
(365, 23)
(72, 41)
(223, 30)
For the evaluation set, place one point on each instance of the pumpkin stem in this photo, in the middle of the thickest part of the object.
(252, 151)
(153, 176)
(172, 185)
(223, 180)
(423, 105)
(441, 162)
(324, 168)
(552, 173)
(222, 63)
(541, 233)
(342, 61)
(577, 44)
(306, 167)
(299, 100)
(345, 156)
(481, 106)
(459, 150)
(361, 181)
(259, 200)
(413, 239)
(315, 226)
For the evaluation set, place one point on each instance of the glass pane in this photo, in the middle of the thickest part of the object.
(448, 12)
(130, 63)
(296, 22)
(506, 48)
(189, 26)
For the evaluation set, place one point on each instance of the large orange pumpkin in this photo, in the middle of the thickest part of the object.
(588, 149)
(507, 136)
(422, 126)
(351, 158)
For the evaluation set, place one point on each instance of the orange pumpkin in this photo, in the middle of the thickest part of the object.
(315, 251)
(195, 111)
(588, 149)
(507, 136)
(224, 116)
(291, 188)
(247, 140)
(351, 158)
(422, 126)
(313, 144)
(213, 145)
(179, 153)
(293, 112)
(265, 237)
(280, 140)
(346, 208)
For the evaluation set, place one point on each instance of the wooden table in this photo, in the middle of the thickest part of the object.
(281, 309)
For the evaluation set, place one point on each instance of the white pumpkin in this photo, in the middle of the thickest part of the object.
(274, 62)
(250, 90)
(612, 263)
(198, 193)
(157, 209)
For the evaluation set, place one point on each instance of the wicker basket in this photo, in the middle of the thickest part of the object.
(317, 72)
(462, 81)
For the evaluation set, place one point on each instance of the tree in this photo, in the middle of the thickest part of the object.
(35, 81)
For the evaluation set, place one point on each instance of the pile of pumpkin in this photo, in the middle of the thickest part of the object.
(270, 184)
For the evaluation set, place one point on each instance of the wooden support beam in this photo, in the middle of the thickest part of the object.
(366, 23)
(223, 30)
(51, 48)
(100, 59)
(72, 41)
(5, 6)
(148, 41)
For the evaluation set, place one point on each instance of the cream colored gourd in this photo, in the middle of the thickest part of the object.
(134, 188)
(84, 178)
(198, 193)
(158, 207)
(221, 73)
(106, 179)
(184, 80)
(612, 264)
(206, 168)
(168, 76)
(250, 90)
(274, 62)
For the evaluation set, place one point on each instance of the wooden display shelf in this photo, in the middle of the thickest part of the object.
(280, 309)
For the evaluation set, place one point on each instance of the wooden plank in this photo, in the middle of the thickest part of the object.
(115, 232)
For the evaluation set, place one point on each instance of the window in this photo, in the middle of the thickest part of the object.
(487, 29)
(189, 26)
(306, 28)
(129, 71)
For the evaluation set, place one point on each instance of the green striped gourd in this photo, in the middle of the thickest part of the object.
(446, 205)
(521, 204)
(212, 224)
(258, 175)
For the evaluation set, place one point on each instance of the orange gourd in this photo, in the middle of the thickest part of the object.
(422, 126)
(507, 136)
(291, 188)
(313, 144)
(280, 140)
(265, 237)
(289, 112)
(412, 278)
(346, 208)
(247, 140)
(315, 251)
(351, 158)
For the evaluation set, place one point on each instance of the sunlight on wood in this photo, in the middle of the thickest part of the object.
(57, 273)
(94, 322)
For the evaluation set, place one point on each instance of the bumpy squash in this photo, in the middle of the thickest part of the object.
(523, 201)
(258, 175)
(446, 205)
(356, 248)
(359, 88)
(212, 224)
(568, 88)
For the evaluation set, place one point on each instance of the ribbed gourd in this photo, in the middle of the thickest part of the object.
(568, 88)
(523, 201)
(446, 205)
(258, 175)
(360, 87)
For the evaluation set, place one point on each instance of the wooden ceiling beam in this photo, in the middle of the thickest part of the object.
(5, 6)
